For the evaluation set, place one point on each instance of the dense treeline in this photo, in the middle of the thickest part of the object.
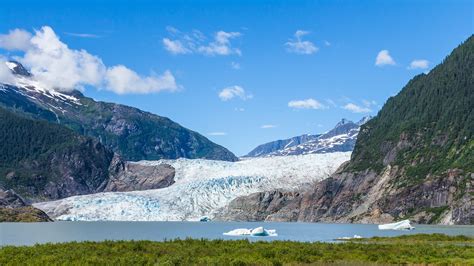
(42, 160)
(429, 125)
(23, 138)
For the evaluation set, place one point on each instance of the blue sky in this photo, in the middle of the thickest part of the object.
(288, 67)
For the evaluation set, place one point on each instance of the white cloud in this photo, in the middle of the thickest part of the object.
(306, 104)
(268, 126)
(16, 39)
(298, 46)
(195, 42)
(175, 47)
(239, 109)
(56, 66)
(82, 35)
(356, 108)
(221, 44)
(122, 80)
(234, 91)
(384, 58)
(419, 64)
(327, 43)
(217, 134)
(235, 65)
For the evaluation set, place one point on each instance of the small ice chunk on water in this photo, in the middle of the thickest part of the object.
(402, 225)
(259, 231)
(349, 238)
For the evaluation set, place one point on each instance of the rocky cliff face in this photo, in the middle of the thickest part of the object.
(257, 206)
(364, 197)
(14, 209)
(132, 133)
(414, 160)
(129, 176)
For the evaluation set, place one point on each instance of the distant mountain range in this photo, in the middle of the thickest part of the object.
(132, 133)
(341, 138)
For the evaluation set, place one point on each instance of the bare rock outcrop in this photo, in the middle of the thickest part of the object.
(256, 207)
(14, 209)
(129, 176)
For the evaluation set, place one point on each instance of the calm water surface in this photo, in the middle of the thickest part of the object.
(33, 233)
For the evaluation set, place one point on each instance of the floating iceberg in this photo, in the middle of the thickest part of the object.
(402, 225)
(259, 231)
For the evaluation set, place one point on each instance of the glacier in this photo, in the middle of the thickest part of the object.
(202, 188)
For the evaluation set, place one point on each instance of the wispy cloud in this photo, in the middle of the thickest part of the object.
(369, 103)
(83, 35)
(239, 109)
(235, 65)
(306, 104)
(196, 42)
(356, 108)
(384, 58)
(331, 102)
(55, 66)
(327, 43)
(217, 133)
(419, 64)
(232, 92)
(268, 126)
(298, 46)
(175, 47)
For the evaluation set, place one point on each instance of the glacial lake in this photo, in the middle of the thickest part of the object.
(33, 233)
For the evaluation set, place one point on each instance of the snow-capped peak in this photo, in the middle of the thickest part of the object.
(343, 122)
(26, 84)
(18, 69)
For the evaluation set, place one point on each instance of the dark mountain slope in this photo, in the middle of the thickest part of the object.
(132, 133)
(40, 160)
